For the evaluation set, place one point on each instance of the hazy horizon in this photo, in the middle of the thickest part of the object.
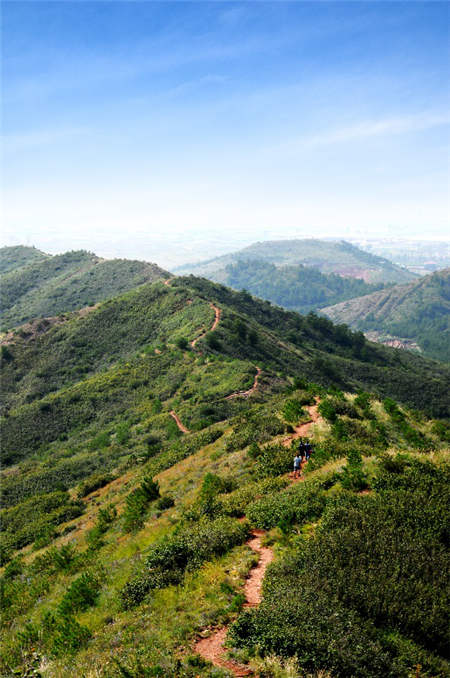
(178, 131)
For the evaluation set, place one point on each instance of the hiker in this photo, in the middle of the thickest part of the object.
(301, 450)
(297, 465)
(308, 451)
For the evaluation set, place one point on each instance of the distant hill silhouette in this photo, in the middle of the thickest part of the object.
(327, 256)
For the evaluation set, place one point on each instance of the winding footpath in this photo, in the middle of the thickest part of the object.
(245, 394)
(178, 422)
(213, 327)
(237, 394)
(212, 648)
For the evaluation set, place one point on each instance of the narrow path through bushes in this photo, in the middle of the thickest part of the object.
(212, 648)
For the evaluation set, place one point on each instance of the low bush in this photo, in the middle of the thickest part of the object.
(274, 460)
(80, 595)
(364, 595)
(185, 549)
(94, 482)
(302, 503)
(137, 503)
(165, 502)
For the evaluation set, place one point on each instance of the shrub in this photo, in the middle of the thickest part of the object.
(165, 502)
(185, 549)
(94, 482)
(137, 503)
(136, 590)
(123, 433)
(293, 410)
(365, 595)
(101, 440)
(353, 477)
(80, 595)
(67, 635)
(302, 503)
(274, 460)
(327, 410)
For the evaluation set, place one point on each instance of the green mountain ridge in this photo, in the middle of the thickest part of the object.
(419, 312)
(17, 256)
(341, 258)
(298, 288)
(125, 539)
(49, 285)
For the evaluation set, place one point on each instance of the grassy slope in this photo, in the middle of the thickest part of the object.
(159, 632)
(57, 381)
(15, 257)
(418, 311)
(328, 257)
(101, 405)
(67, 282)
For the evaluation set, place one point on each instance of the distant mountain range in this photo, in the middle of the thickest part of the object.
(413, 315)
(341, 258)
(298, 288)
(35, 284)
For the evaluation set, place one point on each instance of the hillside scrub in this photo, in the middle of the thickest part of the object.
(173, 562)
(355, 612)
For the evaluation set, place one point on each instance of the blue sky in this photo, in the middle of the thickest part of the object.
(131, 128)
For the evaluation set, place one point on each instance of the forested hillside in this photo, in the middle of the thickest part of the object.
(298, 288)
(418, 312)
(12, 258)
(147, 447)
(327, 256)
(37, 285)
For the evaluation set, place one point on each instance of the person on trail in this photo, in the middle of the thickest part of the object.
(297, 465)
(308, 451)
(301, 449)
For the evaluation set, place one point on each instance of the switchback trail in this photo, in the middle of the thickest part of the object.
(213, 327)
(178, 422)
(245, 394)
(212, 648)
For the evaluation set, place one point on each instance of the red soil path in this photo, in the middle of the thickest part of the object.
(178, 421)
(213, 327)
(302, 430)
(212, 648)
(245, 394)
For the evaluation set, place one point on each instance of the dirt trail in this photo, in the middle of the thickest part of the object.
(213, 327)
(212, 648)
(302, 430)
(245, 394)
(178, 421)
(167, 281)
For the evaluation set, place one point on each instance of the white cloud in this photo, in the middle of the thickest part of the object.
(376, 128)
(25, 140)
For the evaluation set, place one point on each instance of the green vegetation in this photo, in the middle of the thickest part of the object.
(39, 285)
(121, 535)
(299, 288)
(325, 255)
(362, 595)
(12, 258)
(417, 314)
